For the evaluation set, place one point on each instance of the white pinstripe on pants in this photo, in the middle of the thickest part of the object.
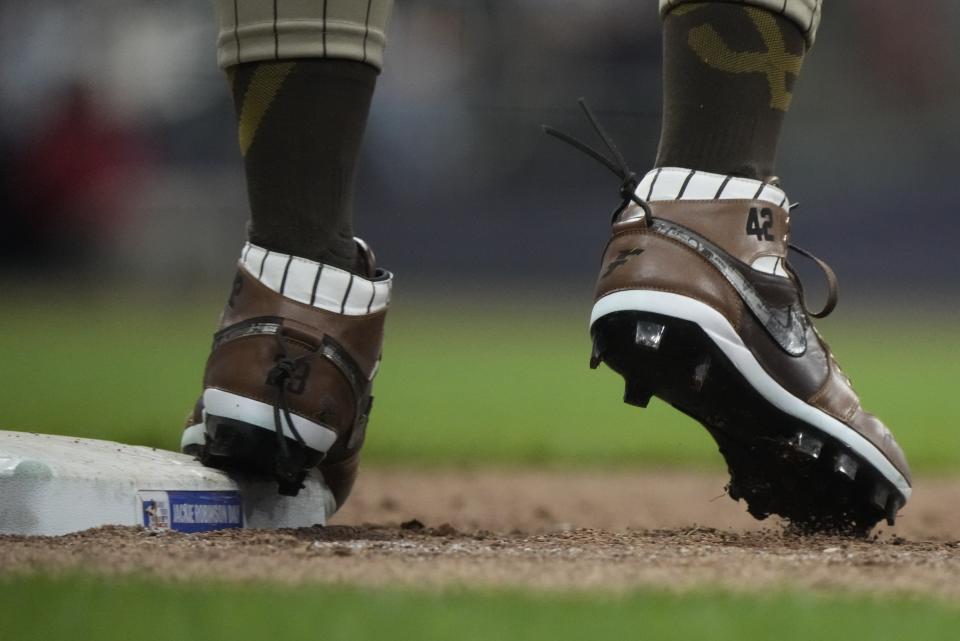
(258, 30)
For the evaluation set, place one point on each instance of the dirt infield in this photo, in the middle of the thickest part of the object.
(549, 530)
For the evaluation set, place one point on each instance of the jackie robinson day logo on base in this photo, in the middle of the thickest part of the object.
(190, 511)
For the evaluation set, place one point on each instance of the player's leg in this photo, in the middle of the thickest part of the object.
(696, 302)
(287, 384)
(729, 71)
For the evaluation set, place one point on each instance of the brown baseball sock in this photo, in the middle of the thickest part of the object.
(301, 123)
(728, 77)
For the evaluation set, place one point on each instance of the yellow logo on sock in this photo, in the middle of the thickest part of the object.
(264, 85)
(776, 62)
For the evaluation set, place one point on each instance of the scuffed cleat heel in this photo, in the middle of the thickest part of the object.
(630, 348)
(631, 343)
(236, 446)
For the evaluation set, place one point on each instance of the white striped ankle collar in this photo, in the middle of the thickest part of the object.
(676, 183)
(317, 284)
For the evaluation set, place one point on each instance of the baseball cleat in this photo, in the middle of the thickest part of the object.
(287, 386)
(708, 315)
(697, 304)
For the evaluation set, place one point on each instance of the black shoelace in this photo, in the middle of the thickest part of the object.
(628, 187)
(618, 165)
(279, 377)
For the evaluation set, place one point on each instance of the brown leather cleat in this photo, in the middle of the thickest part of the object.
(287, 386)
(697, 304)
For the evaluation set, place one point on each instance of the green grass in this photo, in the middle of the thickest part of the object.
(78, 608)
(460, 385)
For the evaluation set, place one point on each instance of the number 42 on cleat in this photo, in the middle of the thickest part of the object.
(758, 229)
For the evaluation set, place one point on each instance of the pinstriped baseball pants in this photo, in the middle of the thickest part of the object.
(257, 30)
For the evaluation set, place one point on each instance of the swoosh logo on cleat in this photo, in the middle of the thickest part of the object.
(786, 325)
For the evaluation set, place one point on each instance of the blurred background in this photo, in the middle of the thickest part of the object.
(122, 211)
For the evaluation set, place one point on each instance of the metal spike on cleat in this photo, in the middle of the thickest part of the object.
(289, 479)
(649, 334)
(700, 373)
(733, 491)
(894, 503)
(806, 444)
(595, 353)
(846, 466)
(881, 494)
(636, 393)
